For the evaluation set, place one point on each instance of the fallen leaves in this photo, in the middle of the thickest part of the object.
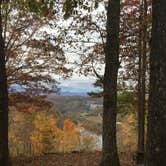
(69, 159)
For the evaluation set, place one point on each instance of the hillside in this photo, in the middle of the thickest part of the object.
(83, 110)
(36, 126)
(75, 103)
(67, 118)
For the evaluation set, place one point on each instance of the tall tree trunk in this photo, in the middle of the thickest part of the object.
(110, 152)
(142, 82)
(156, 136)
(4, 153)
(140, 135)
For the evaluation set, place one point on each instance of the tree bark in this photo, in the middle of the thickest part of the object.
(156, 135)
(110, 152)
(4, 152)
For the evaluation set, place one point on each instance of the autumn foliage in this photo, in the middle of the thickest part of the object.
(44, 136)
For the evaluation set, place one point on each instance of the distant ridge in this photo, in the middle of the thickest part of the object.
(67, 93)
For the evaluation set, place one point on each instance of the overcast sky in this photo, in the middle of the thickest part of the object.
(77, 83)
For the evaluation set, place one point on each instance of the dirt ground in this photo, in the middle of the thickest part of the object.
(72, 159)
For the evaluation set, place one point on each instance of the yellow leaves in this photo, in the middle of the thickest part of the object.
(45, 136)
(12, 137)
(71, 137)
(45, 132)
(36, 137)
(88, 143)
(131, 118)
(127, 135)
(42, 121)
(53, 139)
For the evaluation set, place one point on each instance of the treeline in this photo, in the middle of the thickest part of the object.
(46, 134)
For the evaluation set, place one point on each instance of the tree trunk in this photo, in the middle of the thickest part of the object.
(110, 152)
(4, 153)
(156, 136)
(142, 82)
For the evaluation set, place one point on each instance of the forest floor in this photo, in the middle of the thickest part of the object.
(70, 159)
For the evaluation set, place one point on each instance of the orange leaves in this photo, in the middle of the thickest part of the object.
(18, 118)
(71, 138)
(69, 126)
(50, 138)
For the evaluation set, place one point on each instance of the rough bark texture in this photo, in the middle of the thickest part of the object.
(110, 153)
(4, 153)
(156, 138)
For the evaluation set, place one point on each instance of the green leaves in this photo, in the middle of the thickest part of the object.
(96, 3)
(41, 7)
(70, 5)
